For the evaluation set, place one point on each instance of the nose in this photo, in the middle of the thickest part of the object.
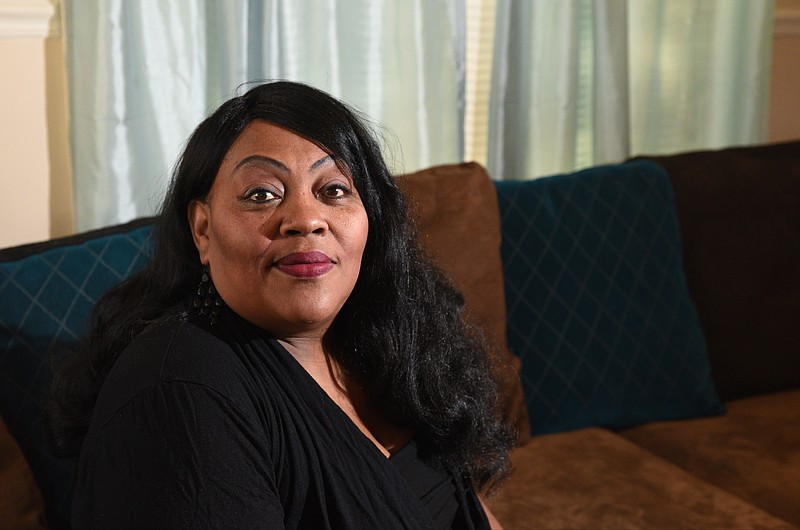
(302, 214)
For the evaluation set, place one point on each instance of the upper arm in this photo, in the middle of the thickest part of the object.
(177, 455)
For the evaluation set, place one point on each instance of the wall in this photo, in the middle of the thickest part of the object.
(35, 186)
(24, 204)
(35, 182)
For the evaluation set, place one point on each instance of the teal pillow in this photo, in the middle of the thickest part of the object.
(598, 308)
(47, 291)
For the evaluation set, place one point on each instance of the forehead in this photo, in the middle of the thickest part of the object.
(263, 137)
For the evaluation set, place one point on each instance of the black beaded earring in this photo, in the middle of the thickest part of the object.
(207, 302)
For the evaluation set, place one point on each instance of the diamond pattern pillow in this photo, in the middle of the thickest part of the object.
(598, 308)
(47, 290)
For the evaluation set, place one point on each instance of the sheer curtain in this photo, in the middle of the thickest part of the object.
(573, 83)
(142, 74)
(584, 82)
(700, 73)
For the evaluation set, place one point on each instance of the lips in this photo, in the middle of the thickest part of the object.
(305, 264)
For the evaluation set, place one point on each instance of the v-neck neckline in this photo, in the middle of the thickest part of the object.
(327, 401)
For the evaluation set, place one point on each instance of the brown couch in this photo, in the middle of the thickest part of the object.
(739, 218)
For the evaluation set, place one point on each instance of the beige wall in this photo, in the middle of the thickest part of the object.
(35, 188)
(35, 183)
(24, 166)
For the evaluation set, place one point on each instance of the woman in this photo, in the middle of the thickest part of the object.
(288, 358)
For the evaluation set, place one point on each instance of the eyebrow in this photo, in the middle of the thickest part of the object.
(272, 162)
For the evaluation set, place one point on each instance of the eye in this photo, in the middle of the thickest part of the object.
(335, 191)
(260, 195)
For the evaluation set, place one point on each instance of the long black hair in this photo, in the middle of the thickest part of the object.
(400, 331)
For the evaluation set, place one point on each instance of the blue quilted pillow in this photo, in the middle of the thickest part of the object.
(598, 308)
(47, 290)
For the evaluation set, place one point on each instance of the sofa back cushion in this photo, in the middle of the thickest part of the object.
(456, 212)
(47, 291)
(739, 213)
(598, 308)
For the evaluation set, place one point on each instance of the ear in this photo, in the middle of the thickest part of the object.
(199, 224)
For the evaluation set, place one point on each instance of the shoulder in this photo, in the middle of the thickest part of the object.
(172, 351)
(174, 417)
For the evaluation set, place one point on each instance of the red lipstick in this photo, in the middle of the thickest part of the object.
(305, 264)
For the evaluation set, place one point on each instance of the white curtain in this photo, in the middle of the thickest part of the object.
(700, 73)
(143, 73)
(574, 82)
(584, 82)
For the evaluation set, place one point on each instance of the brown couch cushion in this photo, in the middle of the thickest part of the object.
(455, 207)
(592, 478)
(753, 451)
(739, 212)
(21, 504)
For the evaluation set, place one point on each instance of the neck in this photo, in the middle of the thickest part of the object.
(314, 355)
(305, 349)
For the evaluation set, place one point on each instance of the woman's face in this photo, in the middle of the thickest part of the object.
(282, 232)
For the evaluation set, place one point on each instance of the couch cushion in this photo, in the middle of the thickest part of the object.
(598, 308)
(47, 291)
(592, 478)
(739, 211)
(753, 451)
(455, 208)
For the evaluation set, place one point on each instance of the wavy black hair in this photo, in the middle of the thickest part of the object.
(400, 332)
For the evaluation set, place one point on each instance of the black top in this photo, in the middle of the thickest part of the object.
(223, 428)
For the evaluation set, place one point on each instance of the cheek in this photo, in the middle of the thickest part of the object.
(359, 231)
(232, 246)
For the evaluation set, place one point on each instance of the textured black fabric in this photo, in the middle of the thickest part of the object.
(200, 428)
(430, 482)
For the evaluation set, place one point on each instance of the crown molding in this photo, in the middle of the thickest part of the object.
(787, 21)
(29, 19)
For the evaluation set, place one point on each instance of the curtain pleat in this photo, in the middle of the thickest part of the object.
(559, 93)
(130, 107)
(700, 73)
(585, 82)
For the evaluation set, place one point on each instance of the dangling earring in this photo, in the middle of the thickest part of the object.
(207, 302)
